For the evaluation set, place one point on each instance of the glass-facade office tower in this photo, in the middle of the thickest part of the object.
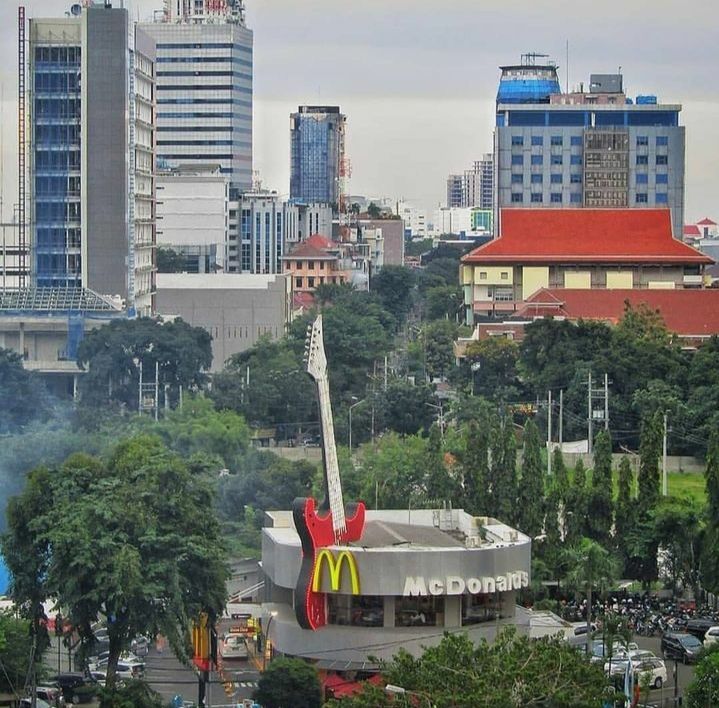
(595, 148)
(90, 155)
(317, 145)
(204, 88)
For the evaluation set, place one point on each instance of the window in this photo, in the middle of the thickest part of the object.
(298, 282)
(642, 178)
(537, 159)
(537, 140)
(517, 140)
(642, 159)
(575, 140)
(662, 159)
(662, 140)
(360, 611)
(557, 159)
(537, 178)
(641, 198)
(310, 282)
(556, 198)
(419, 611)
(662, 198)
(504, 275)
(310, 265)
(517, 198)
(662, 179)
(517, 159)
(537, 198)
(479, 608)
(642, 140)
(575, 179)
(556, 178)
(557, 140)
(503, 295)
(517, 178)
(322, 265)
(575, 198)
(575, 160)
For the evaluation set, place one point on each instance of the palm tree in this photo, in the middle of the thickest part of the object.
(590, 566)
(615, 630)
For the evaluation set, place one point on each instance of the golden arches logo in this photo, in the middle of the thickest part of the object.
(335, 570)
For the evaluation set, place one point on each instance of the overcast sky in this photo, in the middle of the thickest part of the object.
(417, 78)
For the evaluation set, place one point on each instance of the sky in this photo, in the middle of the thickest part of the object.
(417, 78)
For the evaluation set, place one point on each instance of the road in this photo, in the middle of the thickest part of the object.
(685, 673)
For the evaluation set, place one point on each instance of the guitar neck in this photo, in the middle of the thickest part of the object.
(332, 471)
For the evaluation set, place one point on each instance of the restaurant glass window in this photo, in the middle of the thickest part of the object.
(419, 611)
(355, 610)
(480, 608)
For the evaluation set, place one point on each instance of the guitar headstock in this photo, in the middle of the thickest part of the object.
(315, 351)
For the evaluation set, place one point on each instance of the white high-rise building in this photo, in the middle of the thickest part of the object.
(204, 87)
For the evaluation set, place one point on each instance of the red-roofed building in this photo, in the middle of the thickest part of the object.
(706, 228)
(691, 314)
(691, 233)
(585, 249)
(313, 262)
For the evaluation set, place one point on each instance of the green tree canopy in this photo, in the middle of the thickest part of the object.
(132, 540)
(531, 485)
(703, 691)
(394, 286)
(600, 494)
(289, 682)
(24, 397)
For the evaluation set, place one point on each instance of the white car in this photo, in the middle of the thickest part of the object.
(637, 656)
(234, 647)
(656, 669)
(619, 666)
(711, 637)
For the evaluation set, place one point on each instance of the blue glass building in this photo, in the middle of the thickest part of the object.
(317, 136)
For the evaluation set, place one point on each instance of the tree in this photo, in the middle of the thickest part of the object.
(512, 671)
(577, 505)
(442, 302)
(531, 486)
(15, 651)
(438, 483)
(676, 528)
(438, 343)
(405, 408)
(624, 510)
(24, 398)
(394, 285)
(132, 540)
(112, 355)
(497, 375)
(650, 449)
(373, 211)
(475, 466)
(289, 682)
(710, 558)
(170, 261)
(590, 566)
(502, 487)
(600, 494)
(703, 691)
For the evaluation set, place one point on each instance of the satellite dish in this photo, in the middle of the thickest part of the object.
(76, 10)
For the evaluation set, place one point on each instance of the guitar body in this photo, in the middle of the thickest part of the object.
(316, 531)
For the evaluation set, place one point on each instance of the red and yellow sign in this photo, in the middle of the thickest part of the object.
(334, 566)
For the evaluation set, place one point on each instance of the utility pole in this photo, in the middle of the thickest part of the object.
(561, 416)
(590, 414)
(665, 490)
(606, 402)
(549, 433)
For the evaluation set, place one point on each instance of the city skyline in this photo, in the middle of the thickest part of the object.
(418, 85)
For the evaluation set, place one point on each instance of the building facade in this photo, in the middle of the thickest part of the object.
(317, 148)
(90, 155)
(316, 261)
(410, 577)
(193, 216)
(204, 87)
(473, 188)
(585, 149)
(590, 249)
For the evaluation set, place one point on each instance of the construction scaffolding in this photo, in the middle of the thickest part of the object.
(21, 140)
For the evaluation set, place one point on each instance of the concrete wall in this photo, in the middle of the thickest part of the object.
(105, 149)
(235, 309)
(393, 234)
(674, 463)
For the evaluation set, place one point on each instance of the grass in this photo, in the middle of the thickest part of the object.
(687, 484)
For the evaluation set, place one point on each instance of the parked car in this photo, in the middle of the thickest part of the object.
(100, 675)
(51, 695)
(619, 666)
(639, 655)
(600, 652)
(140, 646)
(681, 646)
(699, 626)
(656, 669)
(712, 636)
(234, 647)
(126, 662)
(39, 703)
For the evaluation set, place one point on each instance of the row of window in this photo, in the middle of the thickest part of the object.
(658, 159)
(643, 178)
(184, 116)
(556, 198)
(299, 282)
(235, 143)
(575, 140)
(203, 60)
(553, 159)
(203, 45)
(233, 74)
(57, 82)
(58, 55)
(602, 118)
(203, 128)
(205, 101)
(204, 87)
(538, 178)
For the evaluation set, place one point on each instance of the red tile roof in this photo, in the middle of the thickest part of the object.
(706, 221)
(586, 235)
(320, 241)
(315, 246)
(688, 313)
(692, 230)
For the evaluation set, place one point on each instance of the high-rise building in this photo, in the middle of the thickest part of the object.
(90, 154)
(595, 148)
(204, 87)
(317, 150)
(473, 188)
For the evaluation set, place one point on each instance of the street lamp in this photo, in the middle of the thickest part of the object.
(354, 405)
(273, 614)
(400, 691)
(476, 366)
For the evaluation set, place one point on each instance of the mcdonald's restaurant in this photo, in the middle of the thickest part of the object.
(411, 576)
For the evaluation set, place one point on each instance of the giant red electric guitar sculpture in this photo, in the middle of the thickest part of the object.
(330, 524)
